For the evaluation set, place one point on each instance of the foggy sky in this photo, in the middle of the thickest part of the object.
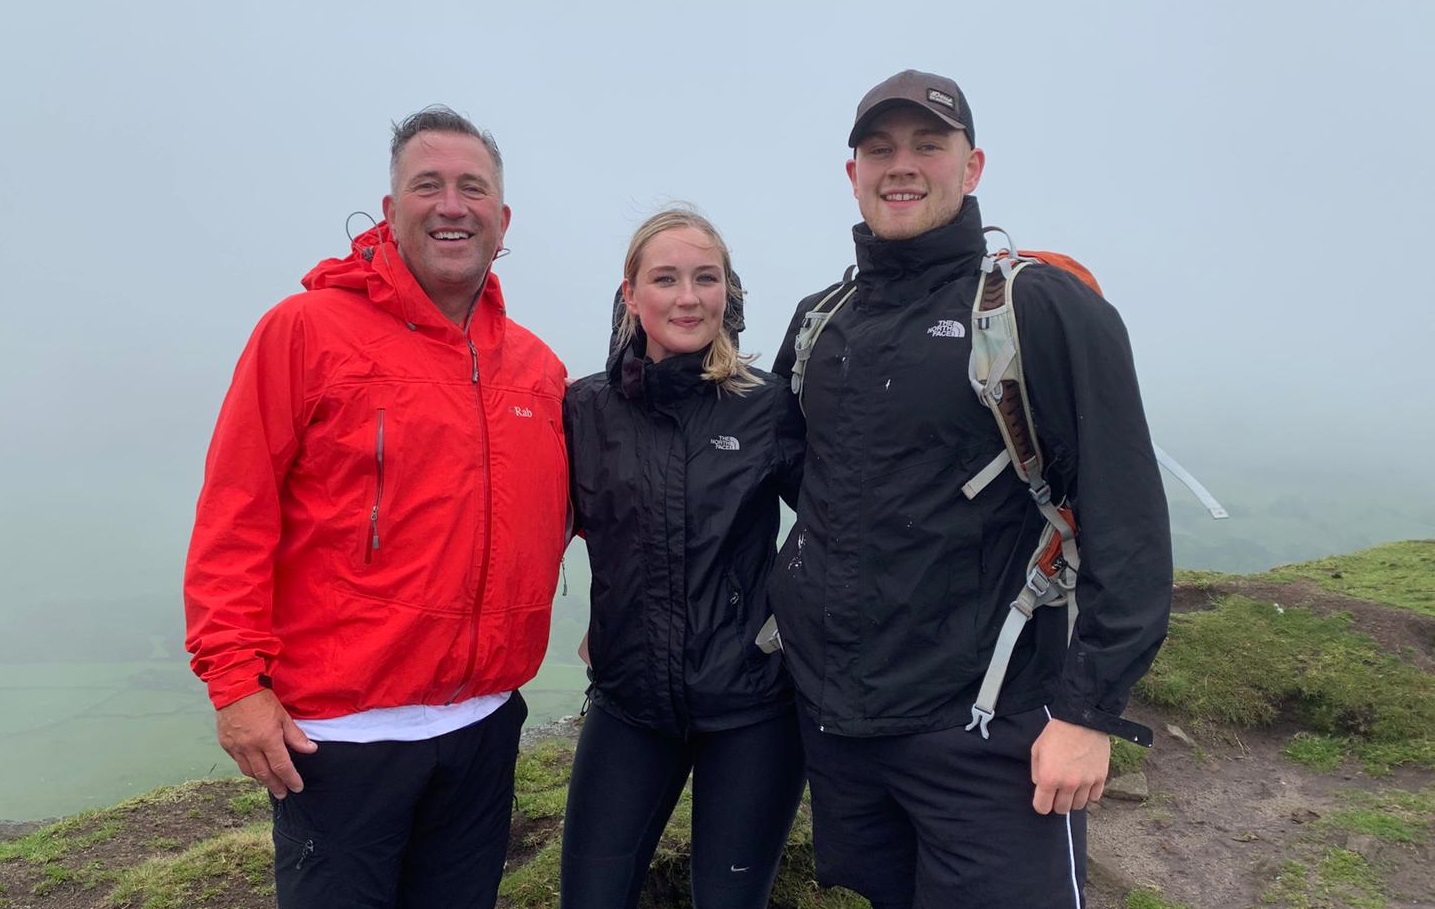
(1251, 182)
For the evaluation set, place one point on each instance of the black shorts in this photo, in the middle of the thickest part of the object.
(941, 819)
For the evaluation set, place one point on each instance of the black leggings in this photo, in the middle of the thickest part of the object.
(747, 783)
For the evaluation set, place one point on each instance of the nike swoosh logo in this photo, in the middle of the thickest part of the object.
(735, 869)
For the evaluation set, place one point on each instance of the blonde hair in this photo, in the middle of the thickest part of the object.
(724, 365)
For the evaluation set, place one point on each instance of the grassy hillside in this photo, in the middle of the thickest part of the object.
(1400, 574)
(1340, 644)
(1332, 660)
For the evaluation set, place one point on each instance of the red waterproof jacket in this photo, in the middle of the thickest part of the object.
(384, 503)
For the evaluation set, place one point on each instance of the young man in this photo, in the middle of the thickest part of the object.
(892, 587)
(377, 545)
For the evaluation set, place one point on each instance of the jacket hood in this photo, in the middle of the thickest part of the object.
(375, 269)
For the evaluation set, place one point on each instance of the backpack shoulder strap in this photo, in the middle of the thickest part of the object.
(813, 321)
(996, 375)
(995, 368)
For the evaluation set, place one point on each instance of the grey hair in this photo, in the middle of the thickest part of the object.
(439, 118)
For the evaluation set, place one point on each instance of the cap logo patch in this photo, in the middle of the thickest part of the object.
(941, 98)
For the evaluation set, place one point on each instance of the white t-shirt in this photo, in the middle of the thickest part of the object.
(403, 724)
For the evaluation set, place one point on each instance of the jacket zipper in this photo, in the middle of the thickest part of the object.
(569, 517)
(487, 523)
(378, 490)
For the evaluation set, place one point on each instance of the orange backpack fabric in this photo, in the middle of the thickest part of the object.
(1064, 262)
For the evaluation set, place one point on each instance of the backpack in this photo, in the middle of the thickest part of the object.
(995, 374)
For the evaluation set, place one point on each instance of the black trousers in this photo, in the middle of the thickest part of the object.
(747, 783)
(941, 819)
(401, 825)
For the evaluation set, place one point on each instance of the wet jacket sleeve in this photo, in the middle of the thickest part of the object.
(1087, 405)
(575, 517)
(791, 445)
(792, 424)
(229, 573)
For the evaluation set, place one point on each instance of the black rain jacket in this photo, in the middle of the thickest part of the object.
(675, 487)
(892, 586)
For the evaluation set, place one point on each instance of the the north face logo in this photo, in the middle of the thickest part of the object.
(948, 328)
(725, 443)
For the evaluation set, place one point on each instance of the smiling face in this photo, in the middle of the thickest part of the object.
(910, 173)
(447, 216)
(678, 292)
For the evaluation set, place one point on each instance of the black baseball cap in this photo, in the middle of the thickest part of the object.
(936, 94)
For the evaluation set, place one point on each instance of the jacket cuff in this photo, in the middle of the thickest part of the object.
(1101, 721)
(237, 683)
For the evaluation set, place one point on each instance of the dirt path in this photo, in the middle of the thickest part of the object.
(1224, 817)
(1227, 812)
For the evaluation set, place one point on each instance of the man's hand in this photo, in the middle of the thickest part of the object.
(1068, 766)
(258, 733)
(583, 651)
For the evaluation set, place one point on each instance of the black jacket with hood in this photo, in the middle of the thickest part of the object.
(892, 586)
(675, 486)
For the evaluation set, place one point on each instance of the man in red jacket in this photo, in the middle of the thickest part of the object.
(377, 543)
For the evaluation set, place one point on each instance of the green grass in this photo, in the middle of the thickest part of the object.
(52, 843)
(1380, 824)
(1200, 578)
(1390, 815)
(534, 885)
(1290, 888)
(1321, 753)
(55, 875)
(256, 802)
(540, 780)
(156, 883)
(1244, 663)
(1339, 879)
(1150, 899)
(244, 856)
(1398, 574)
(1332, 877)
(1347, 877)
(1126, 757)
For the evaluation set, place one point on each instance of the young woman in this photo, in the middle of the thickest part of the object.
(679, 454)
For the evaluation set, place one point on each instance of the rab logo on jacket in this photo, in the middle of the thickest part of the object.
(948, 328)
(521, 411)
(725, 443)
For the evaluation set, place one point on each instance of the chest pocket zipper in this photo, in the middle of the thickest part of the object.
(373, 543)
